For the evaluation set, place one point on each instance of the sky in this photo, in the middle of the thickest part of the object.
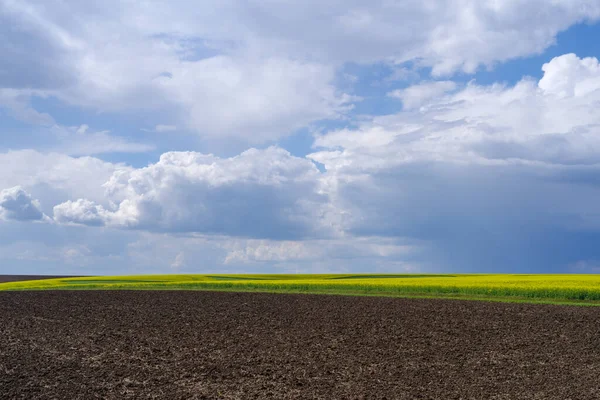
(310, 136)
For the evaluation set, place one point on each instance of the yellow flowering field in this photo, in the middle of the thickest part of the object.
(573, 288)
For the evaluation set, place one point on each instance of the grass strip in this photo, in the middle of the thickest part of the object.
(369, 285)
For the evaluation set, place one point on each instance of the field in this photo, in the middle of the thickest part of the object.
(580, 289)
(212, 345)
(20, 278)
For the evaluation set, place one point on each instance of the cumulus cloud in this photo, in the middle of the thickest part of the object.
(82, 212)
(552, 121)
(478, 177)
(482, 177)
(16, 204)
(260, 193)
(491, 176)
(54, 178)
(571, 76)
(254, 70)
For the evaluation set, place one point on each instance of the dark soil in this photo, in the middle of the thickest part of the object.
(205, 345)
(18, 278)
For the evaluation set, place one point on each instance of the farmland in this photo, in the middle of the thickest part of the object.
(215, 345)
(580, 289)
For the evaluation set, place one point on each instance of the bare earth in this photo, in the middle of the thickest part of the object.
(207, 345)
(19, 278)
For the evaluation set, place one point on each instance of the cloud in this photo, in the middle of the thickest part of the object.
(50, 248)
(55, 178)
(82, 212)
(552, 121)
(491, 176)
(211, 91)
(414, 96)
(257, 71)
(481, 178)
(179, 261)
(262, 98)
(17, 103)
(82, 129)
(213, 254)
(79, 141)
(450, 36)
(260, 193)
(570, 76)
(337, 252)
(43, 48)
(466, 177)
(16, 204)
(269, 251)
(165, 128)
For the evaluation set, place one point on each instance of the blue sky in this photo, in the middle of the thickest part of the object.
(227, 136)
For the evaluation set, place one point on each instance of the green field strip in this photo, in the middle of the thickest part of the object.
(397, 276)
(563, 288)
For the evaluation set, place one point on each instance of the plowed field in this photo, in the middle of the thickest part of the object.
(21, 278)
(205, 345)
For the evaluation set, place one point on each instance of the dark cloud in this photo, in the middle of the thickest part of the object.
(477, 218)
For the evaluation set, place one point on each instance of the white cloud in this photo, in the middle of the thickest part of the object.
(53, 178)
(179, 261)
(569, 76)
(414, 96)
(222, 254)
(17, 103)
(449, 35)
(458, 159)
(335, 251)
(260, 98)
(183, 253)
(277, 251)
(260, 193)
(82, 129)
(17, 204)
(25, 251)
(477, 175)
(82, 212)
(33, 248)
(254, 97)
(553, 121)
(255, 71)
(492, 176)
(79, 141)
